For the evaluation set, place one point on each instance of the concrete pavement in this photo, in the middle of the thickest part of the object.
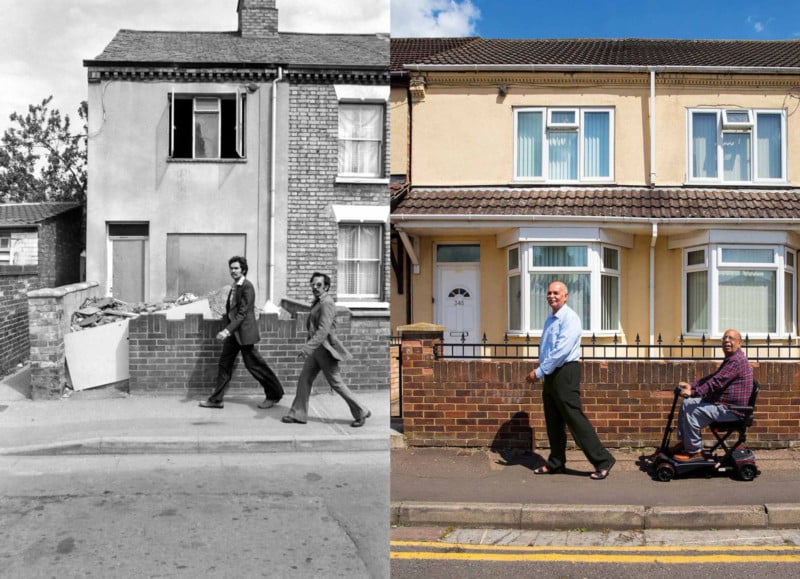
(480, 488)
(108, 421)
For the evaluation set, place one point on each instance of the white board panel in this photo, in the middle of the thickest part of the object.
(98, 356)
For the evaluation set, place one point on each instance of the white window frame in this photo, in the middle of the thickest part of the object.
(713, 265)
(594, 267)
(5, 249)
(240, 120)
(548, 125)
(514, 271)
(724, 125)
(376, 215)
(368, 95)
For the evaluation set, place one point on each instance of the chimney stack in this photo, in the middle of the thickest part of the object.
(258, 18)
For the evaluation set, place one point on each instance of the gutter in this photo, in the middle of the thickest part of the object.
(652, 129)
(600, 68)
(403, 218)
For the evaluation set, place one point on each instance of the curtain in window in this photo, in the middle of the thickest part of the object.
(704, 145)
(560, 256)
(562, 148)
(747, 300)
(578, 285)
(768, 127)
(697, 302)
(359, 260)
(514, 301)
(596, 140)
(529, 144)
(360, 135)
(610, 302)
(736, 156)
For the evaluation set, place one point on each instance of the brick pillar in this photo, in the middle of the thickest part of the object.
(417, 345)
(50, 313)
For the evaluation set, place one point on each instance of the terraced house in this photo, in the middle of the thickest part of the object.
(255, 142)
(657, 178)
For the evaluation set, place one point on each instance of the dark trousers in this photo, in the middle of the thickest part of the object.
(562, 407)
(254, 363)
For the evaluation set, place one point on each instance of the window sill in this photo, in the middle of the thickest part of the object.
(524, 182)
(739, 184)
(207, 161)
(363, 305)
(363, 180)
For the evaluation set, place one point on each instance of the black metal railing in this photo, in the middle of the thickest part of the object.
(596, 348)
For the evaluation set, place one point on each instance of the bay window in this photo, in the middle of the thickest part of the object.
(563, 144)
(591, 272)
(748, 288)
(737, 145)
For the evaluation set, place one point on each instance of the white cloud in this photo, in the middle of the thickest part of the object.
(43, 52)
(417, 18)
(758, 26)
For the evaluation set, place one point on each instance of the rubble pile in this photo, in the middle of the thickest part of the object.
(100, 311)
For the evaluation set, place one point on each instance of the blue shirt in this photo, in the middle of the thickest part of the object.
(561, 341)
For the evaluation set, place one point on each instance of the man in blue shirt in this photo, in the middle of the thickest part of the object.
(559, 352)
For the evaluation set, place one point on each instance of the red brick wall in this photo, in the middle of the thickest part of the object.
(487, 402)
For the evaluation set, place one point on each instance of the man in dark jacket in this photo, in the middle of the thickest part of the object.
(241, 335)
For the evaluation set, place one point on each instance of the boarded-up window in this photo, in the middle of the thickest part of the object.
(198, 262)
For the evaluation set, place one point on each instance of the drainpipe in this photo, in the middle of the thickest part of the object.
(653, 238)
(270, 306)
(652, 127)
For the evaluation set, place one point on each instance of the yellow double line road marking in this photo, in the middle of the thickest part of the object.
(668, 554)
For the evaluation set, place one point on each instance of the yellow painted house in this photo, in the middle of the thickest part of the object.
(657, 178)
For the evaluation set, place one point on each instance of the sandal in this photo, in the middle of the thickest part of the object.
(544, 469)
(602, 473)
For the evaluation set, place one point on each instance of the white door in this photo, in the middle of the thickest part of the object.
(457, 302)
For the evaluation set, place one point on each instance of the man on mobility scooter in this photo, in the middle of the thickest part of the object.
(725, 400)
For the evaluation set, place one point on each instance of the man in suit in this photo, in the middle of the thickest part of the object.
(241, 335)
(323, 351)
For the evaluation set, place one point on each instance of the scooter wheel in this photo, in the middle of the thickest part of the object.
(748, 472)
(665, 472)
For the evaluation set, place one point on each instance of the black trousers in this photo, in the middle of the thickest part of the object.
(562, 407)
(254, 363)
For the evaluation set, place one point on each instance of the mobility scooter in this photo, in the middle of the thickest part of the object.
(734, 458)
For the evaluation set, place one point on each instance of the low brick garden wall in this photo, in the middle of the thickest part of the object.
(487, 403)
(182, 355)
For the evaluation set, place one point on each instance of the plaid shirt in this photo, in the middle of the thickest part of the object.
(731, 384)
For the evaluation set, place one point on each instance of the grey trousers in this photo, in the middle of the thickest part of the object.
(322, 360)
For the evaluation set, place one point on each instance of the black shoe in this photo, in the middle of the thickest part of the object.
(211, 404)
(292, 420)
(360, 421)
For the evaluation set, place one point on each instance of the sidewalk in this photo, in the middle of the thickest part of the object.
(479, 488)
(112, 422)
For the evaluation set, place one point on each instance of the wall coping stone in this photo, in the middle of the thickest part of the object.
(61, 291)
(18, 270)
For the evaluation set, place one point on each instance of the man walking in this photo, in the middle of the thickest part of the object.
(559, 352)
(323, 351)
(241, 335)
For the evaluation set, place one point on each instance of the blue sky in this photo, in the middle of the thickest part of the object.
(711, 19)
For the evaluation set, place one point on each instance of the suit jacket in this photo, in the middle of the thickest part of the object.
(240, 311)
(321, 326)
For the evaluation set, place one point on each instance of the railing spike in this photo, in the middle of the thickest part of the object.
(638, 340)
(484, 338)
(505, 338)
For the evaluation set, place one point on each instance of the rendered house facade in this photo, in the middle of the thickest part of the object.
(658, 178)
(256, 142)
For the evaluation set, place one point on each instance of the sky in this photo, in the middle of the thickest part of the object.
(706, 19)
(44, 42)
(42, 52)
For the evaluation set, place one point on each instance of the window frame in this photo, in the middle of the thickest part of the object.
(713, 265)
(594, 267)
(240, 120)
(381, 140)
(578, 127)
(725, 126)
(361, 297)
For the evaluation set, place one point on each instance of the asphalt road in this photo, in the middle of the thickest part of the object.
(254, 515)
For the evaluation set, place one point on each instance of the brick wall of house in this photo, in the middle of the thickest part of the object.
(312, 188)
(15, 283)
(182, 355)
(60, 245)
(487, 402)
